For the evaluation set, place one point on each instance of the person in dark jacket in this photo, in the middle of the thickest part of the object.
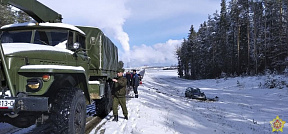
(128, 77)
(119, 92)
(135, 83)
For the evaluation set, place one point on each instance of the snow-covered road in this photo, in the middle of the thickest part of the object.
(161, 108)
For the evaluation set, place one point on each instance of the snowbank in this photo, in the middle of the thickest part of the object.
(161, 108)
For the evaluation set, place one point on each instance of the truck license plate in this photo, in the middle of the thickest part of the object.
(6, 104)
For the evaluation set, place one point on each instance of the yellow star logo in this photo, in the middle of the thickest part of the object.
(277, 124)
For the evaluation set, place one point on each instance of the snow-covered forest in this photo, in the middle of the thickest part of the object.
(246, 37)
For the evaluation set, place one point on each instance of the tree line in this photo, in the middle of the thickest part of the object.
(245, 37)
(9, 15)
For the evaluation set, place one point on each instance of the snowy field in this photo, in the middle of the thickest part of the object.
(162, 108)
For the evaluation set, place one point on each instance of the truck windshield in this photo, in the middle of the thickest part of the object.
(16, 37)
(40, 36)
(51, 37)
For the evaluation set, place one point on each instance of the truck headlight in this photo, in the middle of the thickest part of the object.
(34, 85)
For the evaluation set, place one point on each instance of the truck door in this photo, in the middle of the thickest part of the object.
(78, 46)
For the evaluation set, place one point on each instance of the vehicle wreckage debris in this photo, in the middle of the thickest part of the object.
(195, 93)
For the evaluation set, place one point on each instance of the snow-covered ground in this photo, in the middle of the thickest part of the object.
(162, 108)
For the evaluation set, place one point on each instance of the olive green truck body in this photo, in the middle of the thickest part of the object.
(47, 68)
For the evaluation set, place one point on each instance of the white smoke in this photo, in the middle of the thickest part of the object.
(112, 18)
(123, 38)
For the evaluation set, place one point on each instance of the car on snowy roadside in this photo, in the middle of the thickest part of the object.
(195, 93)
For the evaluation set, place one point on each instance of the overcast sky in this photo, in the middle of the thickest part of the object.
(146, 32)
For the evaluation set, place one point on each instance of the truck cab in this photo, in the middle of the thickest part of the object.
(49, 71)
(38, 60)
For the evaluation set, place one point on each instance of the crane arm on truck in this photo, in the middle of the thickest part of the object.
(36, 10)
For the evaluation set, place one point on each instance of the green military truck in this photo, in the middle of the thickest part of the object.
(50, 71)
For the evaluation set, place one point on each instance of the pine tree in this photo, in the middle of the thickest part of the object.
(191, 44)
(274, 39)
(257, 34)
(185, 59)
(180, 64)
(7, 16)
(233, 38)
(22, 17)
(204, 60)
(222, 46)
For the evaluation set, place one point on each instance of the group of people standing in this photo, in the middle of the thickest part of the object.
(119, 91)
(133, 81)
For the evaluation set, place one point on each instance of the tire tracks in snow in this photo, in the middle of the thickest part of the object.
(221, 117)
(122, 124)
(91, 122)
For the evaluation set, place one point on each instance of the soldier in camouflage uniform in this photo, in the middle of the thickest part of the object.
(119, 92)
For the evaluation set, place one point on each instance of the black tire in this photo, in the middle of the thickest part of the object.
(68, 112)
(104, 105)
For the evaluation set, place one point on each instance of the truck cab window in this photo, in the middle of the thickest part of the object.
(41, 38)
(81, 40)
(57, 38)
(16, 37)
(70, 41)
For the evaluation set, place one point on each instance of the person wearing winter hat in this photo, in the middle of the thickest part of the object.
(118, 93)
(135, 83)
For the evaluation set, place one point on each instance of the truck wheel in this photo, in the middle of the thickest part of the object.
(68, 112)
(104, 105)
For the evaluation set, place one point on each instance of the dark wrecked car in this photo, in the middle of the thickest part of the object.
(195, 93)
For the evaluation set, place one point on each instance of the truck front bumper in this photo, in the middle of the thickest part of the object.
(27, 103)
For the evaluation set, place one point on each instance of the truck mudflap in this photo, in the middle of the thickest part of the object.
(17, 104)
